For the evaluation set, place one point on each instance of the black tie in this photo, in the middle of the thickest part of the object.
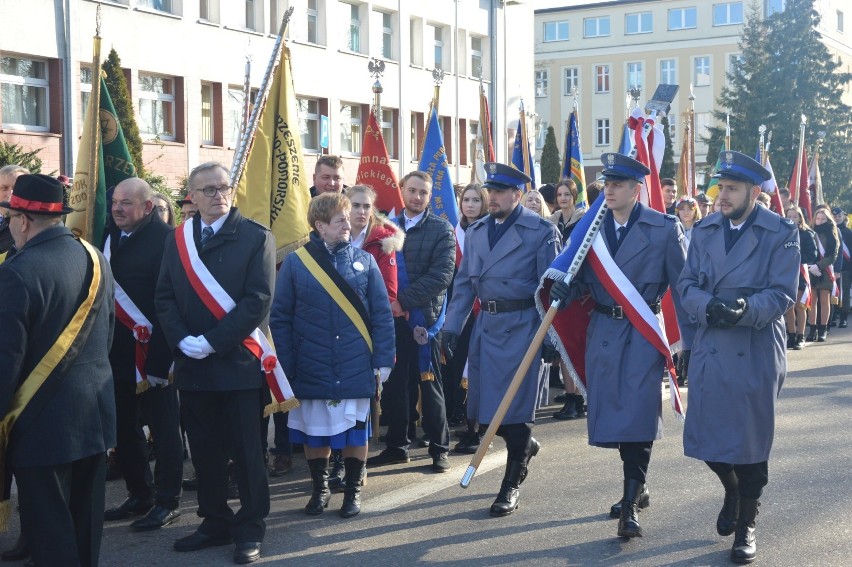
(206, 234)
(619, 233)
(122, 240)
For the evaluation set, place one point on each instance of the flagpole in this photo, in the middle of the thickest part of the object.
(794, 197)
(246, 96)
(727, 131)
(438, 78)
(818, 196)
(95, 125)
(693, 189)
(241, 155)
(525, 143)
(377, 69)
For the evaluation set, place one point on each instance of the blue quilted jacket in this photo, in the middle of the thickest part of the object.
(321, 350)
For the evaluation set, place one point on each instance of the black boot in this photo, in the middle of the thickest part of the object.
(335, 477)
(321, 495)
(535, 447)
(843, 322)
(628, 524)
(745, 542)
(644, 502)
(791, 341)
(812, 334)
(581, 405)
(470, 443)
(507, 499)
(569, 410)
(355, 472)
(800, 342)
(726, 523)
(822, 333)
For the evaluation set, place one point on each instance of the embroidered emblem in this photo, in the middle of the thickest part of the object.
(791, 244)
(729, 160)
(492, 168)
(611, 159)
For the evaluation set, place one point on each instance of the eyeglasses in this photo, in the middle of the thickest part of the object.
(211, 190)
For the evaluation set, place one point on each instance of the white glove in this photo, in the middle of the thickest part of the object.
(204, 346)
(814, 269)
(154, 381)
(384, 373)
(191, 348)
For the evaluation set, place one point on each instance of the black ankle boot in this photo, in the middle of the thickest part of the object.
(581, 405)
(321, 495)
(470, 443)
(355, 473)
(812, 333)
(791, 341)
(628, 524)
(726, 523)
(843, 321)
(569, 410)
(800, 342)
(822, 333)
(745, 541)
(644, 502)
(507, 499)
(335, 477)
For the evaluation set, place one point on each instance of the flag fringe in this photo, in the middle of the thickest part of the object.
(142, 386)
(5, 515)
(280, 407)
(427, 376)
(284, 250)
(555, 274)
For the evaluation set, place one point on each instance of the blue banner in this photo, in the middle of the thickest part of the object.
(434, 162)
(572, 167)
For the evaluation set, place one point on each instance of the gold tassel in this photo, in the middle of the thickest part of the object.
(427, 376)
(282, 407)
(5, 514)
(142, 386)
(464, 383)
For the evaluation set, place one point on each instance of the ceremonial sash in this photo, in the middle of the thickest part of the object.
(217, 300)
(635, 309)
(44, 378)
(828, 270)
(337, 287)
(129, 315)
(846, 255)
(806, 293)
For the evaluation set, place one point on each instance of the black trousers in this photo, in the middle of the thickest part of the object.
(220, 425)
(517, 437)
(62, 511)
(401, 389)
(635, 457)
(456, 396)
(158, 408)
(751, 478)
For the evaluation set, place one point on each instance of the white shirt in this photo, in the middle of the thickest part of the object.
(358, 241)
(735, 226)
(411, 221)
(217, 224)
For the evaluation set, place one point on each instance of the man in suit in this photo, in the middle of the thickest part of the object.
(623, 368)
(740, 278)
(505, 255)
(57, 294)
(226, 259)
(140, 361)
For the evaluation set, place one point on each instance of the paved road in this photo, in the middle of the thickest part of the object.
(411, 515)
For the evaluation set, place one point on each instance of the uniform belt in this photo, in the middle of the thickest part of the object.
(617, 312)
(493, 307)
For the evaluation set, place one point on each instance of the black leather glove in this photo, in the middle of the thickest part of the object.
(561, 291)
(683, 365)
(449, 342)
(725, 315)
(549, 354)
(735, 310)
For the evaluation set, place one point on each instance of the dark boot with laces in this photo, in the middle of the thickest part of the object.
(355, 473)
(628, 524)
(745, 541)
(507, 499)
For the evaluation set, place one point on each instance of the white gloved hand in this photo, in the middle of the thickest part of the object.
(191, 348)
(203, 345)
(384, 373)
(154, 381)
(814, 269)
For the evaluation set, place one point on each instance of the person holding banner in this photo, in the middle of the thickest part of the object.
(56, 391)
(626, 350)
(740, 277)
(332, 322)
(141, 359)
(505, 255)
(214, 291)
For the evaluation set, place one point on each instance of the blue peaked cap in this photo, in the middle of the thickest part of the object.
(738, 166)
(499, 176)
(619, 166)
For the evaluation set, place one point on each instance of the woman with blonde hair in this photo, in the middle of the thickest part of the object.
(534, 201)
(688, 213)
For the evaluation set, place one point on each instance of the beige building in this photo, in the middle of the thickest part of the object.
(605, 48)
(185, 61)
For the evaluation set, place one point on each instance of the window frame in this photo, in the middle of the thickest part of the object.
(684, 24)
(728, 14)
(605, 76)
(388, 128)
(597, 20)
(673, 71)
(542, 83)
(695, 74)
(567, 82)
(309, 122)
(211, 118)
(641, 72)
(603, 129)
(157, 98)
(25, 84)
(640, 16)
(350, 125)
(557, 25)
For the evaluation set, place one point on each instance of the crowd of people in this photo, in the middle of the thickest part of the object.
(376, 316)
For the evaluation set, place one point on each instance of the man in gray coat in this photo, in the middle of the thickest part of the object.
(623, 368)
(740, 278)
(505, 255)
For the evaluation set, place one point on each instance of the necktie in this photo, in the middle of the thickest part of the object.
(206, 234)
(123, 240)
(619, 233)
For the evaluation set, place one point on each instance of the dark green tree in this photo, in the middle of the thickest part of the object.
(117, 86)
(668, 167)
(14, 154)
(786, 71)
(551, 166)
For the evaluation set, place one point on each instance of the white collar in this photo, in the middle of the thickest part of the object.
(217, 224)
(411, 221)
(735, 226)
(358, 241)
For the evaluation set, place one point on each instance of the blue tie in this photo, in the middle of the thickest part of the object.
(206, 234)
(620, 233)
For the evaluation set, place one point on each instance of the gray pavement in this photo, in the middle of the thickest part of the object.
(411, 515)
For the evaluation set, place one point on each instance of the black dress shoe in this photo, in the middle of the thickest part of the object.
(157, 517)
(200, 540)
(247, 552)
(190, 483)
(19, 551)
(131, 507)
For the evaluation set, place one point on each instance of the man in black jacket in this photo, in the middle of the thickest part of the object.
(427, 262)
(140, 360)
(8, 175)
(222, 257)
(845, 276)
(55, 285)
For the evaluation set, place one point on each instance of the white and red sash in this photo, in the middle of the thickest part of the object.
(828, 270)
(217, 300)
(846, 256)
(636, 310)
(806, 293)
(132, 317)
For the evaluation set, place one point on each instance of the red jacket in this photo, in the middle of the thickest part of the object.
(383, 242)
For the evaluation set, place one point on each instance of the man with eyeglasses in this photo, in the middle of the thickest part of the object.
(215, 289)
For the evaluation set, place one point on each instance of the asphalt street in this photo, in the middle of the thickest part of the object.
(411, 515)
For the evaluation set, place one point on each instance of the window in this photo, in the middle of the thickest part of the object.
(388, 129)
(387, 36)
(251, 21)
(382, 34)
(682, 19)
(734, 62)
(555, 31)
(438, 43)
(638, 23)
(701, 71)
(774, 6)
(276, 13)
(476, 69)
(352, 28)
(236, 111)
(635, 76)
(157, 107)
(350, 128)
(840, 21)
(572, 80)
(602, 132)
(313, 19)
(85, 91)
(207, 114)
(668, 71)
(727, 14)
(596, 27)
(161, 5)
(601, 78)
(672, 118)
(415, 46)
(703, 122)
(309, 123)
(541, 80)
(24, 93)
(208, 10)
(541, 134)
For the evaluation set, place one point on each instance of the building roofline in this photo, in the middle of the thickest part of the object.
(605, 4)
